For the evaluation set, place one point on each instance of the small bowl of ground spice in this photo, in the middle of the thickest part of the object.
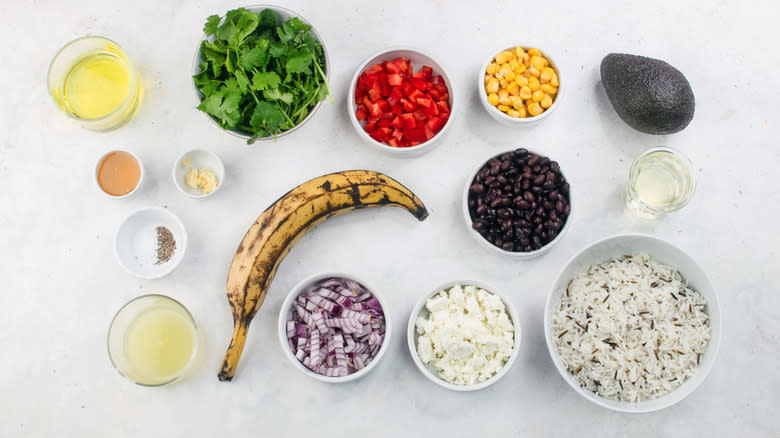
(198, 173)
(150, 242)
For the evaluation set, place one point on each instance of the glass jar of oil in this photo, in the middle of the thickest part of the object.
(153, 340)
(92, 80)
(661, 180)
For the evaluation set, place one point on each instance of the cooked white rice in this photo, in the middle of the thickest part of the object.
(631, 329)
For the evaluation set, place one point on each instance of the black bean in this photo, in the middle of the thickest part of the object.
(477, 188)
(539, 179)
(532, 160)
(537, 189)
(506, 163)
(559, 206)
(522, 204)
(537, 242)
(522, 152)
(481, 209)
(555, 166)
(537, 168)
(565, 188)
(479, 224)
(525, 241)
(529, 196)
(508, 246)
(544, 161)
(547, 205)
(505, 212)
(502, 179)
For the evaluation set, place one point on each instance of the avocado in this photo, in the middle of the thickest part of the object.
(649, 95)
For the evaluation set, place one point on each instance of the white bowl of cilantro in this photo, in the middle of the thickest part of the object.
(260, 72)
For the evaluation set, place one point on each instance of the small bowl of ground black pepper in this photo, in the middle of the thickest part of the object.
(517, 203)
(150, 242)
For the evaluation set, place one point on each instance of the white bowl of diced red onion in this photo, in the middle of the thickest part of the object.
(344, 317)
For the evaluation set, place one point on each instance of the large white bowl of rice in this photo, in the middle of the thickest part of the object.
(632, 323)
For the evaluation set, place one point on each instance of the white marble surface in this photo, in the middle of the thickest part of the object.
(61, 283)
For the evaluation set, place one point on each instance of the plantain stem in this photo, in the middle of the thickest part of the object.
(233, 353)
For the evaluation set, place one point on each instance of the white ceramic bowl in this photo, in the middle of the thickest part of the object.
(418, 59)
(664, 252)
(286, 312)
(136, 242)
(428, 371)
(512, 121)
(199, 159)
(489, 246)
(285, 14)
(137, 186)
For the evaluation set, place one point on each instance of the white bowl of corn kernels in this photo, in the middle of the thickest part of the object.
(520, 85)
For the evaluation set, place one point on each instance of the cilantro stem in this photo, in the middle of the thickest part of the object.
(322, 74)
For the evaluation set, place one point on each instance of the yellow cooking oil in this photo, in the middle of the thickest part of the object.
(96, 85)
(159, 344)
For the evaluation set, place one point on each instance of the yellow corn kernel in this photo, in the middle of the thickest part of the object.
(548, 89)
(519, 52)
(504, 69)
(534, 52)
(517, 102)
(521, 68)
(546, 75)
(503, 93)
(533, 83)
(504, 57)
(493, 99)
(487, 78)
(492, 85)
(554, 80)
(537, 96)
(503, 108)
(525, 92)
(522, 112)
(505, 101)
(513, 113)
(510, 76)
(537, 63)
(532, 71)
(521, 80)
(492, 68)
(534, 108)
(503, 82)
(513, 88)
(546, 101)
(513, 64)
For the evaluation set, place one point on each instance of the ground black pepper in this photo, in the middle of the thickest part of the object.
(166, 244)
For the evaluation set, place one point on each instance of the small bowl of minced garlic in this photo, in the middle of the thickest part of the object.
(198, 173)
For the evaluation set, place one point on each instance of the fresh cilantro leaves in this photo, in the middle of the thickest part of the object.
(260, 75)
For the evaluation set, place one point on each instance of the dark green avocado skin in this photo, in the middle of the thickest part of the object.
(649, 95)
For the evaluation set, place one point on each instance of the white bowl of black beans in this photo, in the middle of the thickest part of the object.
(517, 203)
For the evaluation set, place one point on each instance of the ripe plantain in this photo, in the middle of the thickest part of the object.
(282, 224)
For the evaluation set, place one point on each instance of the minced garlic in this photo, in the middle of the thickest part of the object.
(203, 179)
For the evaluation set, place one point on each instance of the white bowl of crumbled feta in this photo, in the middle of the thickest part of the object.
(463, 335)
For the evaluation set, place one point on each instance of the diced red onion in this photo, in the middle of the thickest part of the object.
(336, 328)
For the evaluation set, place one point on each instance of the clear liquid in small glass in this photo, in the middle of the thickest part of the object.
(661, 180)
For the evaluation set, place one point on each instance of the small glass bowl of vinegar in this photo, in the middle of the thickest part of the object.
(119, 174)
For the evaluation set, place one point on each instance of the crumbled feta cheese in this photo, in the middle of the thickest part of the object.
(467, 336)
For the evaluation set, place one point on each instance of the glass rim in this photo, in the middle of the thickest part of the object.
(164, 298)
(134, 76)
(684, 161)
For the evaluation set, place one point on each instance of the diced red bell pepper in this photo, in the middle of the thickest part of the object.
(408, 120)
(395, 79)
(396, 123)
(415, 135)
(374, 69)
(361, 113)
(420, 84)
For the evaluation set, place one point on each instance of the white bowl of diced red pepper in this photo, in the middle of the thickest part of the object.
(400, 101)
(334, 327)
